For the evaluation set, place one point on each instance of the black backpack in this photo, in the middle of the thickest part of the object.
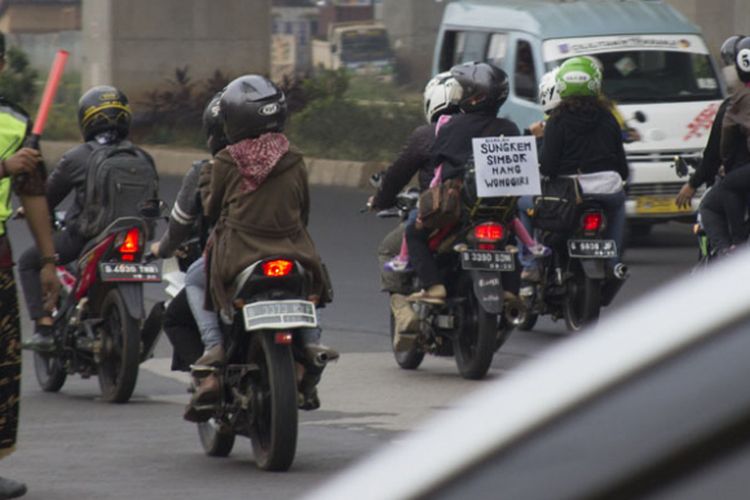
(119, 179)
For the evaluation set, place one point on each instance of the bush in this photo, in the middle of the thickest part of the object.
(18, 80)
(62, 123)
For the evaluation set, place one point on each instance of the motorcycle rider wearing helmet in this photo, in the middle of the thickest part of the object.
(185, 221)
(104, 119)
(583, 137)
(256, 191)
(484, 89)
(712, 208)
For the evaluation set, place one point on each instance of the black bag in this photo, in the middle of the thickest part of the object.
(555, 210)
(118, 180)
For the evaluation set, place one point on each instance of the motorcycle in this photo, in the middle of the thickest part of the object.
(575, 280)
(100, 325)
(478, 315)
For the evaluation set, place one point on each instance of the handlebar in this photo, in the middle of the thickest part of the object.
(682, 165)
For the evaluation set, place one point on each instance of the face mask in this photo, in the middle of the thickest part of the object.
(730, 76)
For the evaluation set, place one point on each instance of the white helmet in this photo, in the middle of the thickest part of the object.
(441, 96)
(549, 95)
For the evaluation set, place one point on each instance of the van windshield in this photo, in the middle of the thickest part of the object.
(364, 45)
(657, 76)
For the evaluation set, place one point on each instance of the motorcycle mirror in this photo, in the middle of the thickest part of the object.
(640, 117)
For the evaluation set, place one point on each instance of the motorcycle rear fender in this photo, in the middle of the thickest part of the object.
(132, 295)
(594, 269)
(488, 288)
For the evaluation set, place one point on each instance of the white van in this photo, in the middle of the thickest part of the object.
(655, 62)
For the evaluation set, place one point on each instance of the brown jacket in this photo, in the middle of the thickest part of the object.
(735, 129)
(270, 221)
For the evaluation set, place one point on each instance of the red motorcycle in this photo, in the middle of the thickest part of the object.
(100, 326)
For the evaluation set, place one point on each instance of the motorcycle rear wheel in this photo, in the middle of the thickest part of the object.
(118, 369)
(216, 441)
(583, 302)
(529, 322)
(273, 431)
(408, 360)
(475, 341)
(49, 371)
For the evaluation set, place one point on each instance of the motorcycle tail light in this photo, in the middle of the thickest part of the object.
(592, 222)
(277, 268)
(130, 245)
(283, 338)
(489, 232)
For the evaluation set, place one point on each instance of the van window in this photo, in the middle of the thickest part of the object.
(497, 49)
(463, 46)
(524, 76)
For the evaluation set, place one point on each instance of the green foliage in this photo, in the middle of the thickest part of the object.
(342, 129)
(17, 81)
(62, 123)
(327, 84)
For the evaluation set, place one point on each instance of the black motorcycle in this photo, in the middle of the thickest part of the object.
(99, 321)
(576, 280)
(475, 258)
(259, 389)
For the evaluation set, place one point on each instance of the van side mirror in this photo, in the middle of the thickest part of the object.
(640, 117)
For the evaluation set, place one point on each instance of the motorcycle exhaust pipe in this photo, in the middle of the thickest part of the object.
(320, 356)
(514, 309)
(620, 275)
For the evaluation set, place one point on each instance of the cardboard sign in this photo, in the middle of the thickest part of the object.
(506, 166)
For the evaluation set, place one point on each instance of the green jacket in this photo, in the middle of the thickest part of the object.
(14, 125)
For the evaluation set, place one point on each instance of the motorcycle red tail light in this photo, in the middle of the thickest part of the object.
(131, 245)
(592, 221)
(277, 268)
(489, 232)
(283, 338)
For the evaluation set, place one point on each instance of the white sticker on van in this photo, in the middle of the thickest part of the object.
(563, 48)
(707, 83)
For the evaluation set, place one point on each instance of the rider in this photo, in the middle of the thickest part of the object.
(256, 191)
(484, 88)
(185, 222)
(104, 120)
(583, 137)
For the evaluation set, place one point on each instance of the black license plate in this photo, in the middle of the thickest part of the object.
(127, 272)
(592, 249)
(482, 260)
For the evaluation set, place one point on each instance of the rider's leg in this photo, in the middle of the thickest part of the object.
(68, 246)
(614, 210)
(208, 321)
(182, 332)
(713, 220)
(735, 187)
(424, 264)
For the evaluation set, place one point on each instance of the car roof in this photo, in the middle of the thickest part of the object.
(569, 19)
(620, 348)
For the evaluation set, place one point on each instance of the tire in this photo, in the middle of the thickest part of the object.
(583, 300)
(273, 432)
(529, 322)
(121, 340)
(408, 360)
(475, 340)
(216, 441)
(50, 372)
(504, 330)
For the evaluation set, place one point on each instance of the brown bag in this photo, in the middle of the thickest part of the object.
(440, 206)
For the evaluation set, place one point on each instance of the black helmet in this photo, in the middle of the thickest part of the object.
(103, 109)
(742, 59)
(250, 106)
(485, 87)
(729, 49)
(213, 126)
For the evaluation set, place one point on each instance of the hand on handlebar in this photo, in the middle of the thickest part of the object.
(685, 196)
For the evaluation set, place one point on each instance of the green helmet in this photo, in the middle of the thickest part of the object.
(579, 76)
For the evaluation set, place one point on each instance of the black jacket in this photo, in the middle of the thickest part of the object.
(186, 213)
(453, 145)
(585, 143)
(414, 158)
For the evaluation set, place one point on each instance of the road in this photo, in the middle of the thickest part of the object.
(73, 446)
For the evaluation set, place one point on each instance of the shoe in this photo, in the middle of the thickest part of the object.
(43, 340)
(11, 489)
(212, 357)
(307, 395)
(539, 251)
(398, 265)
(531, 275)
(434, 295)
(406, 319)
(206, 396)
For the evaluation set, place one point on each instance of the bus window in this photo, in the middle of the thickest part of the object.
(524, 76)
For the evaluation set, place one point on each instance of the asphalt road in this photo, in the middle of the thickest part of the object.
(73, 446)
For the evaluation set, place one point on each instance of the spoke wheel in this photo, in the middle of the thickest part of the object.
(216, 439)
(273, 392)
(475, 342)
(121, 344)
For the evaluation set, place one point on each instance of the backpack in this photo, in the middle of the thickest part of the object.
(119, 179)
(555, 210)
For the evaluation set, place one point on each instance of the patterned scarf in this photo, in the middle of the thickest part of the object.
(255, 158)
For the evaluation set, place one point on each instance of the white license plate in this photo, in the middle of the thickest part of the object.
(127, 272)
(592, 249)
(279, 314)
(483, 260)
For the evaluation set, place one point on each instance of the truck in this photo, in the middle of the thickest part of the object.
(656, 67)
(360, 47)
